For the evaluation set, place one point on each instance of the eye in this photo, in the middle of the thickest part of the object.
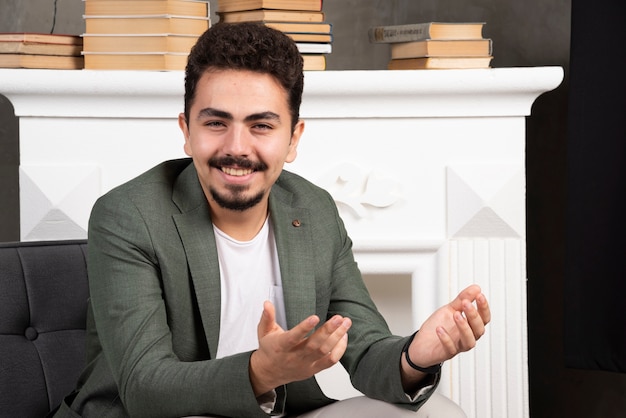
(262, 126)
(214, 123)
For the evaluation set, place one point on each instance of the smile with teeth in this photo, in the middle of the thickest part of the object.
(238, 172)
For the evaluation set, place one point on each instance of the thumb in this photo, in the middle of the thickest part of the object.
(267, 322)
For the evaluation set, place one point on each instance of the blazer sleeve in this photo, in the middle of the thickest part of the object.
(373, 355)
(131, 317)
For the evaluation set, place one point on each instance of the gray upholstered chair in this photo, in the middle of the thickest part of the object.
(43, 306)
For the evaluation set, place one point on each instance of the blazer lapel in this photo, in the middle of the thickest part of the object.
(196, 233)
(295, 253)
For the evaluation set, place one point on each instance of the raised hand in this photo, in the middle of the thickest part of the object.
(451, 329)
(288, 356)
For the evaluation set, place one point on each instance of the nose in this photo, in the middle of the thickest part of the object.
(237, 141)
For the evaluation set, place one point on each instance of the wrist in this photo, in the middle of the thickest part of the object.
(434, 369)
(259, 376)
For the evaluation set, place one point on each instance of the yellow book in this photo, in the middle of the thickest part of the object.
(138, 43)
(442, 48)
(439, 63)
(297, 27)
(310, 37)
(136, 24)
(238, 5)
(40, 44)
(135, 61)
(314, 62)
(10, 47)
(261, 15)
(146, 7)
(41, 38)
(429, 30)
(49, 62)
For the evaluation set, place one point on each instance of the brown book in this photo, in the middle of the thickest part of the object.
(442, 48)
(41, 38)
(182, 25)
(296, 27)
(50, 62)
(12, 47)
(146, 7)
(135, 61)
(310, 37)
(439, 63)
(429, 30)
(314, 62)
(271, 16)
(40, 44)
(138, 43)
(238, 5)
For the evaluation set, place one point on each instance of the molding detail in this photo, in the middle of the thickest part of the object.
(486, 200)
(53, 200)
(357, 190)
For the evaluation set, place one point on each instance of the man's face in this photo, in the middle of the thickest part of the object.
(239, 136)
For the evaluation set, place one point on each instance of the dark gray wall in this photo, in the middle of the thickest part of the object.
(525, 33)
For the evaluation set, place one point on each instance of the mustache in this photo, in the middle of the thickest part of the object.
(241, 162)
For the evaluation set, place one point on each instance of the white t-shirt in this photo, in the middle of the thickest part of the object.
(249, 275)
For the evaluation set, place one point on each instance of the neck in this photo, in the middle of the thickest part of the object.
(240, 225)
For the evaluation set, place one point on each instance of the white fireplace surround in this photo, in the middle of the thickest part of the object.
(426, 167)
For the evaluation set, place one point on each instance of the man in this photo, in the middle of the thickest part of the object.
(185, 259)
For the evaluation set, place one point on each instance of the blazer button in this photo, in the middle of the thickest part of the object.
(296, 223)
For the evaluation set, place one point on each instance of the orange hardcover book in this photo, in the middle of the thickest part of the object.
(146, 7)
(239, 5)
(140, 24)
(49, 62)
(439, 63)
(138, 43)
(442, 48)
(429, 30)
(261, 15)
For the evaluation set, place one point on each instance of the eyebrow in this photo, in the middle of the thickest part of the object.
(212, 112)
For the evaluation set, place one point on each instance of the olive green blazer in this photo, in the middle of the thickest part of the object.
(154, 317)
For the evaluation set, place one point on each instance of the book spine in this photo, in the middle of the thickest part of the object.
(399, 33)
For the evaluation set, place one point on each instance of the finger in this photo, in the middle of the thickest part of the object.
(338, 350)
(474, 319)
(267, 323)
(483, 308)
(466, 340)
(469, 293)
(331, 334)
(300, 331)
(447, 342)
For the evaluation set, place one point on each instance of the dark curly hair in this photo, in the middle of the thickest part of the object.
(247, 46)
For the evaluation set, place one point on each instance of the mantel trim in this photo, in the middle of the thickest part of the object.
(327, 94)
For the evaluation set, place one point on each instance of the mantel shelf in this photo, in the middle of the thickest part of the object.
(328, 94)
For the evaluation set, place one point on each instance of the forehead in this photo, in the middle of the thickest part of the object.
(239, 86)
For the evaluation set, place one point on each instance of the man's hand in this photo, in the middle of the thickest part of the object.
(450, 330)
(289, 356)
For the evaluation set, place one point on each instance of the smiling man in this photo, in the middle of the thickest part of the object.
(221, 284)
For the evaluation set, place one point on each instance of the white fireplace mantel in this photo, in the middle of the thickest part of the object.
(426, 167)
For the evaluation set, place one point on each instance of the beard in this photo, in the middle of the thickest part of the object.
(235, 198)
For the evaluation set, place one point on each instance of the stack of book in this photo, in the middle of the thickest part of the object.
(40, 50)
(302, 20)
(435, 45)
(142, 34)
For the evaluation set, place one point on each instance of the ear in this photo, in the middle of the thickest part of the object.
(182, 124)
(295, 140)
